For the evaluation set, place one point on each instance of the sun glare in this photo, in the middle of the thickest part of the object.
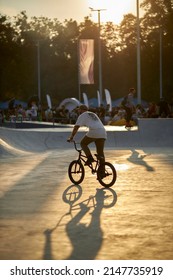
(114, 9)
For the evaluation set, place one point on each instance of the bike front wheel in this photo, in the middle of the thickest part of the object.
(76, 172)
(106, 174)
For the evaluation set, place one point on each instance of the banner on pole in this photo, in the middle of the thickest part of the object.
(86, 61)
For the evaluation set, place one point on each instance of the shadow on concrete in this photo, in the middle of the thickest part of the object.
(29, 193)
(86, 238)
(138, 159)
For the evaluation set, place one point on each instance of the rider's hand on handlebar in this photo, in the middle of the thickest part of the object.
(70, 139)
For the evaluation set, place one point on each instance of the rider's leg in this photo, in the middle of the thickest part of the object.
(128, 116)
(100, 151)
(84, 145)
(100, 142)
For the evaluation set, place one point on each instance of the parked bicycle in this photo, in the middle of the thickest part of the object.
(106, 172)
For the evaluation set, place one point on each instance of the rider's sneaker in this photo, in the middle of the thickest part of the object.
(101, 175)
(89, 161)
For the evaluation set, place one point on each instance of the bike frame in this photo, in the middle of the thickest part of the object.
(82, 158)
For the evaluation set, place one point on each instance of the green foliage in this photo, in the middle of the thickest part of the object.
(21, 38)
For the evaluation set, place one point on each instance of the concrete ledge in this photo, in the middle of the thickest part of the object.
(31, 124)
(156, 132)
(150, 133)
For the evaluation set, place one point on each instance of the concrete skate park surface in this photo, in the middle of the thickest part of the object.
(44, 216)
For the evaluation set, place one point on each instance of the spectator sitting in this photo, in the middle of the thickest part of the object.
(73, 115)
(32, 112)
(163, 108)
(20, 113)
(152, 110)
(139, 113)
(1, 116)
(118, 118)
(48, 115)
(101, 113)
(62, 114)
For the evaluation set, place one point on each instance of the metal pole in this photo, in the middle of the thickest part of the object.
(161, 65)
(38, 71)
(99, 53)
(79, 89)
(100, 60)
(138, 56)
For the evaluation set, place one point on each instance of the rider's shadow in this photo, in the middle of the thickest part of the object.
(138, 159)
(86, 238)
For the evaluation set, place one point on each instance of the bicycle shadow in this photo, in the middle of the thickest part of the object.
(138, 159)
(86, 238)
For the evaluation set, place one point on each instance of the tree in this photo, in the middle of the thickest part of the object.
(158, 22)
(8, 52)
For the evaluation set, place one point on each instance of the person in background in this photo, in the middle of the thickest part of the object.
(34, 111)
(128, 106)
(1, 116)
(101, 113)
(164, 110)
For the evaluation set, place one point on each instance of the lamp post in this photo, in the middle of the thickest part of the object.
(38, 72)
(161, 63)
(99, 52)
(138, 56)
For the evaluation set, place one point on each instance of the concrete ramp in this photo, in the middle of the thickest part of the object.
(150, 133)
(35, 140)
(8, 150)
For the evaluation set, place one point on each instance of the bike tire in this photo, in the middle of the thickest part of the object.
(76, 172)
(110, 174)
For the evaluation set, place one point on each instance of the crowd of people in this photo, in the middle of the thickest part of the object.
(126, 113)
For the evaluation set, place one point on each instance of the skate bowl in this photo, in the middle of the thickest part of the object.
(149, 133)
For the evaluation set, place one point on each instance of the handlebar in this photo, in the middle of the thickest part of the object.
(75, 145)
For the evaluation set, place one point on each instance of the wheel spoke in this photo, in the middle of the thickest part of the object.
(76, 172)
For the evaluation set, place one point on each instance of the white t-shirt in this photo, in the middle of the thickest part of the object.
(92, 121)
(130, 100)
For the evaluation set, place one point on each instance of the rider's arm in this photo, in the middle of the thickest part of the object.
(75, 129)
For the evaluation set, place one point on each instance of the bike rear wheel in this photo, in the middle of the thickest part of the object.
(76, 172)
(106, 174)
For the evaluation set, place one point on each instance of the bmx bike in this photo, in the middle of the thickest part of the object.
(106, 173)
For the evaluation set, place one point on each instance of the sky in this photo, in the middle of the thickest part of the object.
(70, 9)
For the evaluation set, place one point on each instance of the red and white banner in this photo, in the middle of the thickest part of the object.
(86, 61)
